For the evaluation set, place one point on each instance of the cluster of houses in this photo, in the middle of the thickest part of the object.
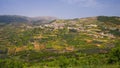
(91, 29)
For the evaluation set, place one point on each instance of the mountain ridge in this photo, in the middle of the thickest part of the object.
(3, 18)
(19, 19)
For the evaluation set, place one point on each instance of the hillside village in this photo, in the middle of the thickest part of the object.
(92, 29)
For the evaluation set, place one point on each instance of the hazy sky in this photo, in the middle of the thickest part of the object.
(60, 8)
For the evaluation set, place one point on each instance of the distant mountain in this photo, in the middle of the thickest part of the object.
(12, 18)
(42, 19)
(24, 19)
(105, 20)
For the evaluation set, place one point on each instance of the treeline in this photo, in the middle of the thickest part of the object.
(106, 19)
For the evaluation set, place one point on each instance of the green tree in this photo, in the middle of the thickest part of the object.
(114, 56)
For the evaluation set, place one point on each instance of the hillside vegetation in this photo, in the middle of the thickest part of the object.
(92, 42)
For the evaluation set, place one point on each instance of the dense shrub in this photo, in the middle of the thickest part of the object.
(114, 56)
(114, 20)
(11, 64)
